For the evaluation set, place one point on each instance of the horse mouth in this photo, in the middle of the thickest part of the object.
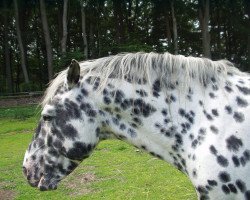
(45, 185)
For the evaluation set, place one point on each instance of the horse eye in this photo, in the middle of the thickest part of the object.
(47, 118)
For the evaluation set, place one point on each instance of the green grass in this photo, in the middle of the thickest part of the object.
(114, 171)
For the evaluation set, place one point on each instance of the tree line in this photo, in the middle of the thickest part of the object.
(39, 37)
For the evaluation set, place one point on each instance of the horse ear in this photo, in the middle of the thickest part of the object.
(73, 74)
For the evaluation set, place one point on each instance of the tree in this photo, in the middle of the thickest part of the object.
(247, 11)
(20, 42)
(65, 29)
(7, 49)
(168, 18)
(118, 7)
(175, 36)
(204, 21)
(99, 28)
(47, 39)
(84, 34)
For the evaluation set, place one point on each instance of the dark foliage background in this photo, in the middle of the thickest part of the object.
(213, 28)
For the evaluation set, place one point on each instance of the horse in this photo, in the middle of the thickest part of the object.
(191, 112)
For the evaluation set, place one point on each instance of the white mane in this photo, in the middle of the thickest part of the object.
(147, 67)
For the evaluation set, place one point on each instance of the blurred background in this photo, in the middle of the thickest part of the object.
(38, 38)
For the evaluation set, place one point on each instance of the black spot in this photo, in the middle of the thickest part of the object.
(143, 108)
(72, 166)
(194, 143)
(105, 92)
(88, 80)
(178, 138)
(228, 109)
(172, 98)
(53, 152)
(214, 129)
(122, 127)
(246, 155)
(225, 189)
(228, 89)
(213, 150)
(143, 147)
(239, 117)
(201, 103)
(33, 157)
(115, 121)
(211, 94)
(202, 131)
(97, 131)
(79, 98)
(232, 188)
(132, 132)
(142, 93)
(213, 79)
(244, 90)
(157, 125)
(212, 182)
(167, 120)
(236, 161)
(49, 141)
(182, 112)
(209, 117)
(137, 120)
(202, 190)
(241, 185)
(224, 177)
(69, 131)
(222, 161)
(171, 86)
(91, 113)
(192, 113)
(247, 195)
(85, 107)
(57, 144)
(156, 88)
(96, 83)
(72, 109)
(241, 81)
(56, 132)
(79, 151)
(241, 102)
(106, 100)
(233, 143)
(84, 92)
(215, 112)
(126, 104)
(242, 161)
(194, 173)
(164, 112)
(119, 96)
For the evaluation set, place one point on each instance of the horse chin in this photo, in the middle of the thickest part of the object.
(45, 185)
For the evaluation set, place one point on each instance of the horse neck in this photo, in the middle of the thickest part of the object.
(169, 129)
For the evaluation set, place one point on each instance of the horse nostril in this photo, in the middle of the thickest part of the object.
(28, 177)
(25, 171)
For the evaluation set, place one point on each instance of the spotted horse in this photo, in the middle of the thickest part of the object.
(191, 112)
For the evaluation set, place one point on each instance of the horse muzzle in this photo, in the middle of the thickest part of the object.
(47, 184)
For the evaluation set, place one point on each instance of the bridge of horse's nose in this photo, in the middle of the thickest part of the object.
(25, 171)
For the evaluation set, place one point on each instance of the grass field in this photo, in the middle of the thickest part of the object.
(114, 171)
